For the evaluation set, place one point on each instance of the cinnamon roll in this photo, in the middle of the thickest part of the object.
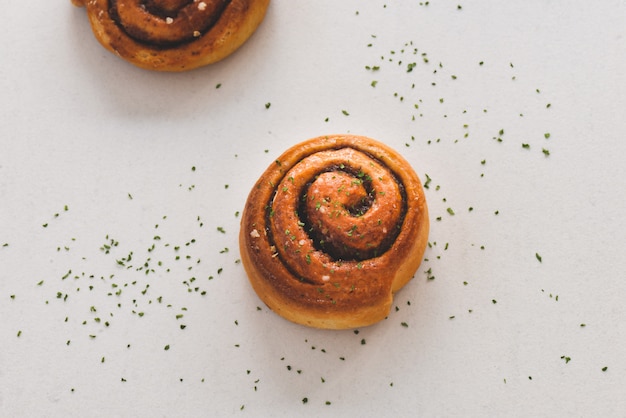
(332, 229)
(173, 35)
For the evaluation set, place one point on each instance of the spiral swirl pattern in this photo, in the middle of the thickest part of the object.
(173, 35)
(332, 229)
(166, 22)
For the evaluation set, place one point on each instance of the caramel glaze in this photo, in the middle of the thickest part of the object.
(332, 230)
(173, 35)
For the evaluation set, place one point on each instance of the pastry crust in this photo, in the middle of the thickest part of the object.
(332, 229)
(173, 35)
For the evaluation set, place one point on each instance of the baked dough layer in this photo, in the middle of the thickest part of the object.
(332, 229)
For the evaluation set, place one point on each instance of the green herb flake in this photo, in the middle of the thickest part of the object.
(538, 257)
(427, 182)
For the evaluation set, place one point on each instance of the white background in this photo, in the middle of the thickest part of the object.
(94, 151)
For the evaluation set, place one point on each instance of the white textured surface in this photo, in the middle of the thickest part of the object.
(82, 129)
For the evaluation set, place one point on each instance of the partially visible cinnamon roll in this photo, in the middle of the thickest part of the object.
(332, 229)
(173, 35)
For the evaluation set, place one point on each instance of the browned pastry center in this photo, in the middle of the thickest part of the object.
(166, 22)
(332, 229)
(173, 35)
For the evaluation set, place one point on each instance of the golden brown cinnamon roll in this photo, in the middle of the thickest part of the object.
(332, 229)
(173, 35)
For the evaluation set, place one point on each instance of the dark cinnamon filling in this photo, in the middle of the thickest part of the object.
(166, 24)
(338, 244)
